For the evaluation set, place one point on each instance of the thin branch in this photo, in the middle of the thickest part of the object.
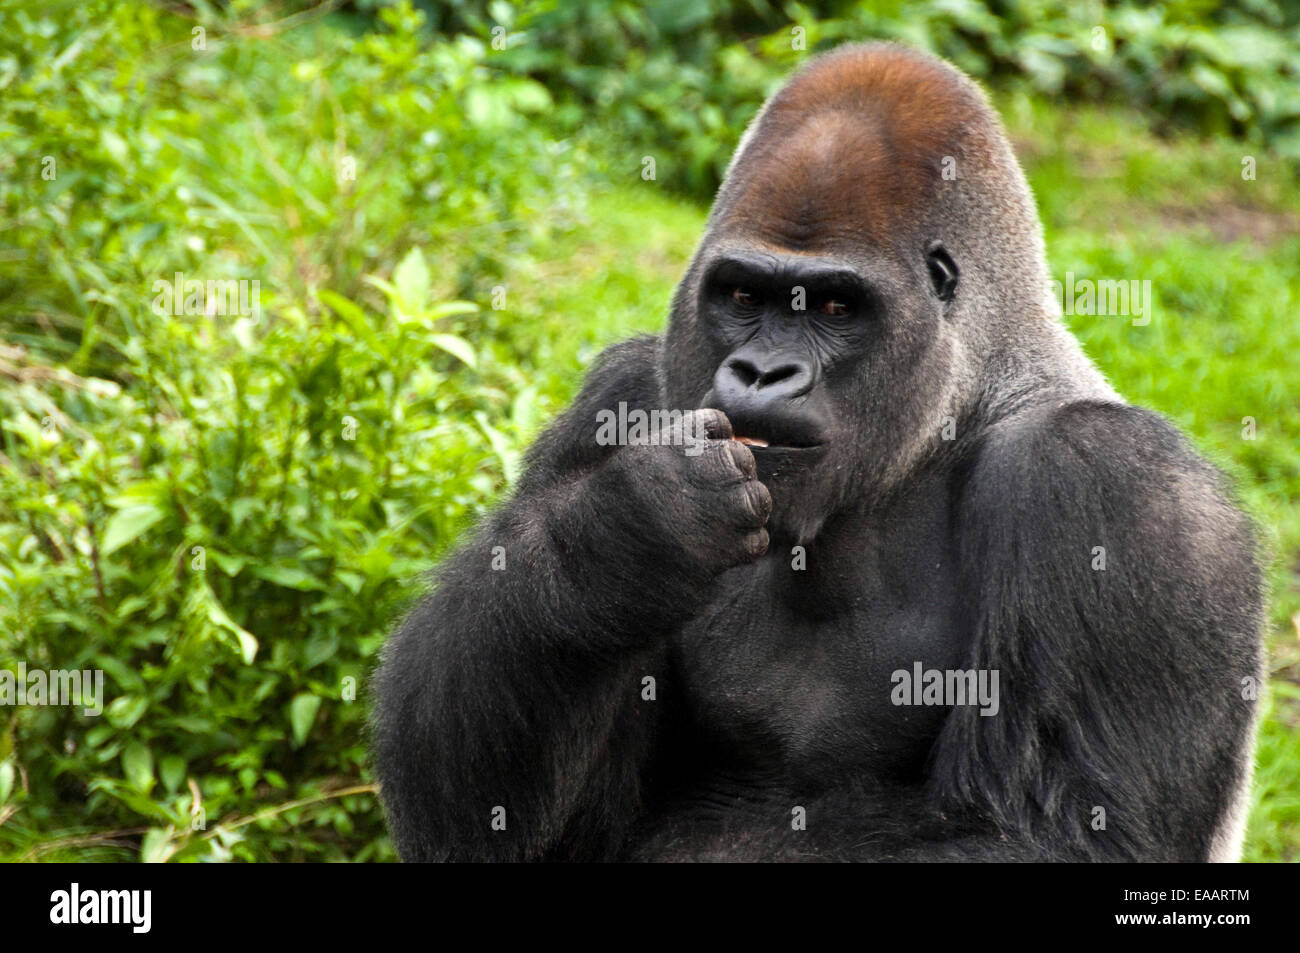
(290, 805)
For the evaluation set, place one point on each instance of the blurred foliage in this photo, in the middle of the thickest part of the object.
(668, 78)
(236, 158)
(673, 76)
(225, 512)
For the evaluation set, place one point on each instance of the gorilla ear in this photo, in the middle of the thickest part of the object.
(943, 271)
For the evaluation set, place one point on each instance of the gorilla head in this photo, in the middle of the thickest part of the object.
(872, 228)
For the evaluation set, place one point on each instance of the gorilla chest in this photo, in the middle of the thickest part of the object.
(801, 677)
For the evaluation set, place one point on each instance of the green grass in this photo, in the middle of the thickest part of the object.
(1116, 203)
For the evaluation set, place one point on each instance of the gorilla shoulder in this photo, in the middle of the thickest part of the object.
(1113, 470)
(1109, 502)
(1104, 569)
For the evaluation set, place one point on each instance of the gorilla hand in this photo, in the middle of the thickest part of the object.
(695, 499)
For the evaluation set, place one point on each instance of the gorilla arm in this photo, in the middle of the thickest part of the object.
(1122, 732)
(518, 688)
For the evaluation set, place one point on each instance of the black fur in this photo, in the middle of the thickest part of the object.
(1120, 688)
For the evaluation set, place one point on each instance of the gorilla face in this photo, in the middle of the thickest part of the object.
(822, 310)
(822, 361)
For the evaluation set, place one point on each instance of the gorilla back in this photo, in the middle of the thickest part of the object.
(890, 573)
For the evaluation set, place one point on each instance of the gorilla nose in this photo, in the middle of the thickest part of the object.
(762, 381)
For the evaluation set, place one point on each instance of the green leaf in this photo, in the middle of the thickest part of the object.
(127, 678)
(353, 581)
(218, 616)
(302, 713)
(129, 524)
(389, 291)
(140, 803)
(140, 493)
(524, 412)
(156, 847)
(501, 446)
(172, 771)
(457, 347)
(411, 279)
(115, 146)
(137, 766)
(242, 332)
(452, 308)
(353, 317)
(291, 577)
(318, 649)
(247, 646)
(125, 711)
(230, 565)
(344, 308)
(529, 96)
(486, 108)
(6, 780)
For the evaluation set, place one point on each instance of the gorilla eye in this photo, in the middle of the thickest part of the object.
(833, 307)
(744, 298)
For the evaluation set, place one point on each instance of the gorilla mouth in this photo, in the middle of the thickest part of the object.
(773, 429)
(758, 443)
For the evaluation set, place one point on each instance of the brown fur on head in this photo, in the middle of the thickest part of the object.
(851, 149)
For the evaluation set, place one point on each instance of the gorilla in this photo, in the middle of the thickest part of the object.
(882, 570)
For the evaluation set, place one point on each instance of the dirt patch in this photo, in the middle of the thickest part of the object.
(1231, 221)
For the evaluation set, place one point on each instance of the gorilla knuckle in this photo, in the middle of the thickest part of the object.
(755, 544)
(707, 422)
(743, 459)
(755, 502)
(717, 466)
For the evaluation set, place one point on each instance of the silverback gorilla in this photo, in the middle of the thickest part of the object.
(903, 578)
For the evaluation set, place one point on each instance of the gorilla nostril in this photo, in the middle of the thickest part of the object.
(743, 371)
(778, 374)
(774, 376)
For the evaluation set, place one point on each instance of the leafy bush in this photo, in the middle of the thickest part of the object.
(288, 479)
(223, 502)
(301, 159)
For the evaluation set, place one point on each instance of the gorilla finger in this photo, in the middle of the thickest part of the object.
(755, 544)
(707, 422)
(752, 504)
(719, 466)
(743, 458)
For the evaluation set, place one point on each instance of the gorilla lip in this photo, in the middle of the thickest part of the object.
(758, 443)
